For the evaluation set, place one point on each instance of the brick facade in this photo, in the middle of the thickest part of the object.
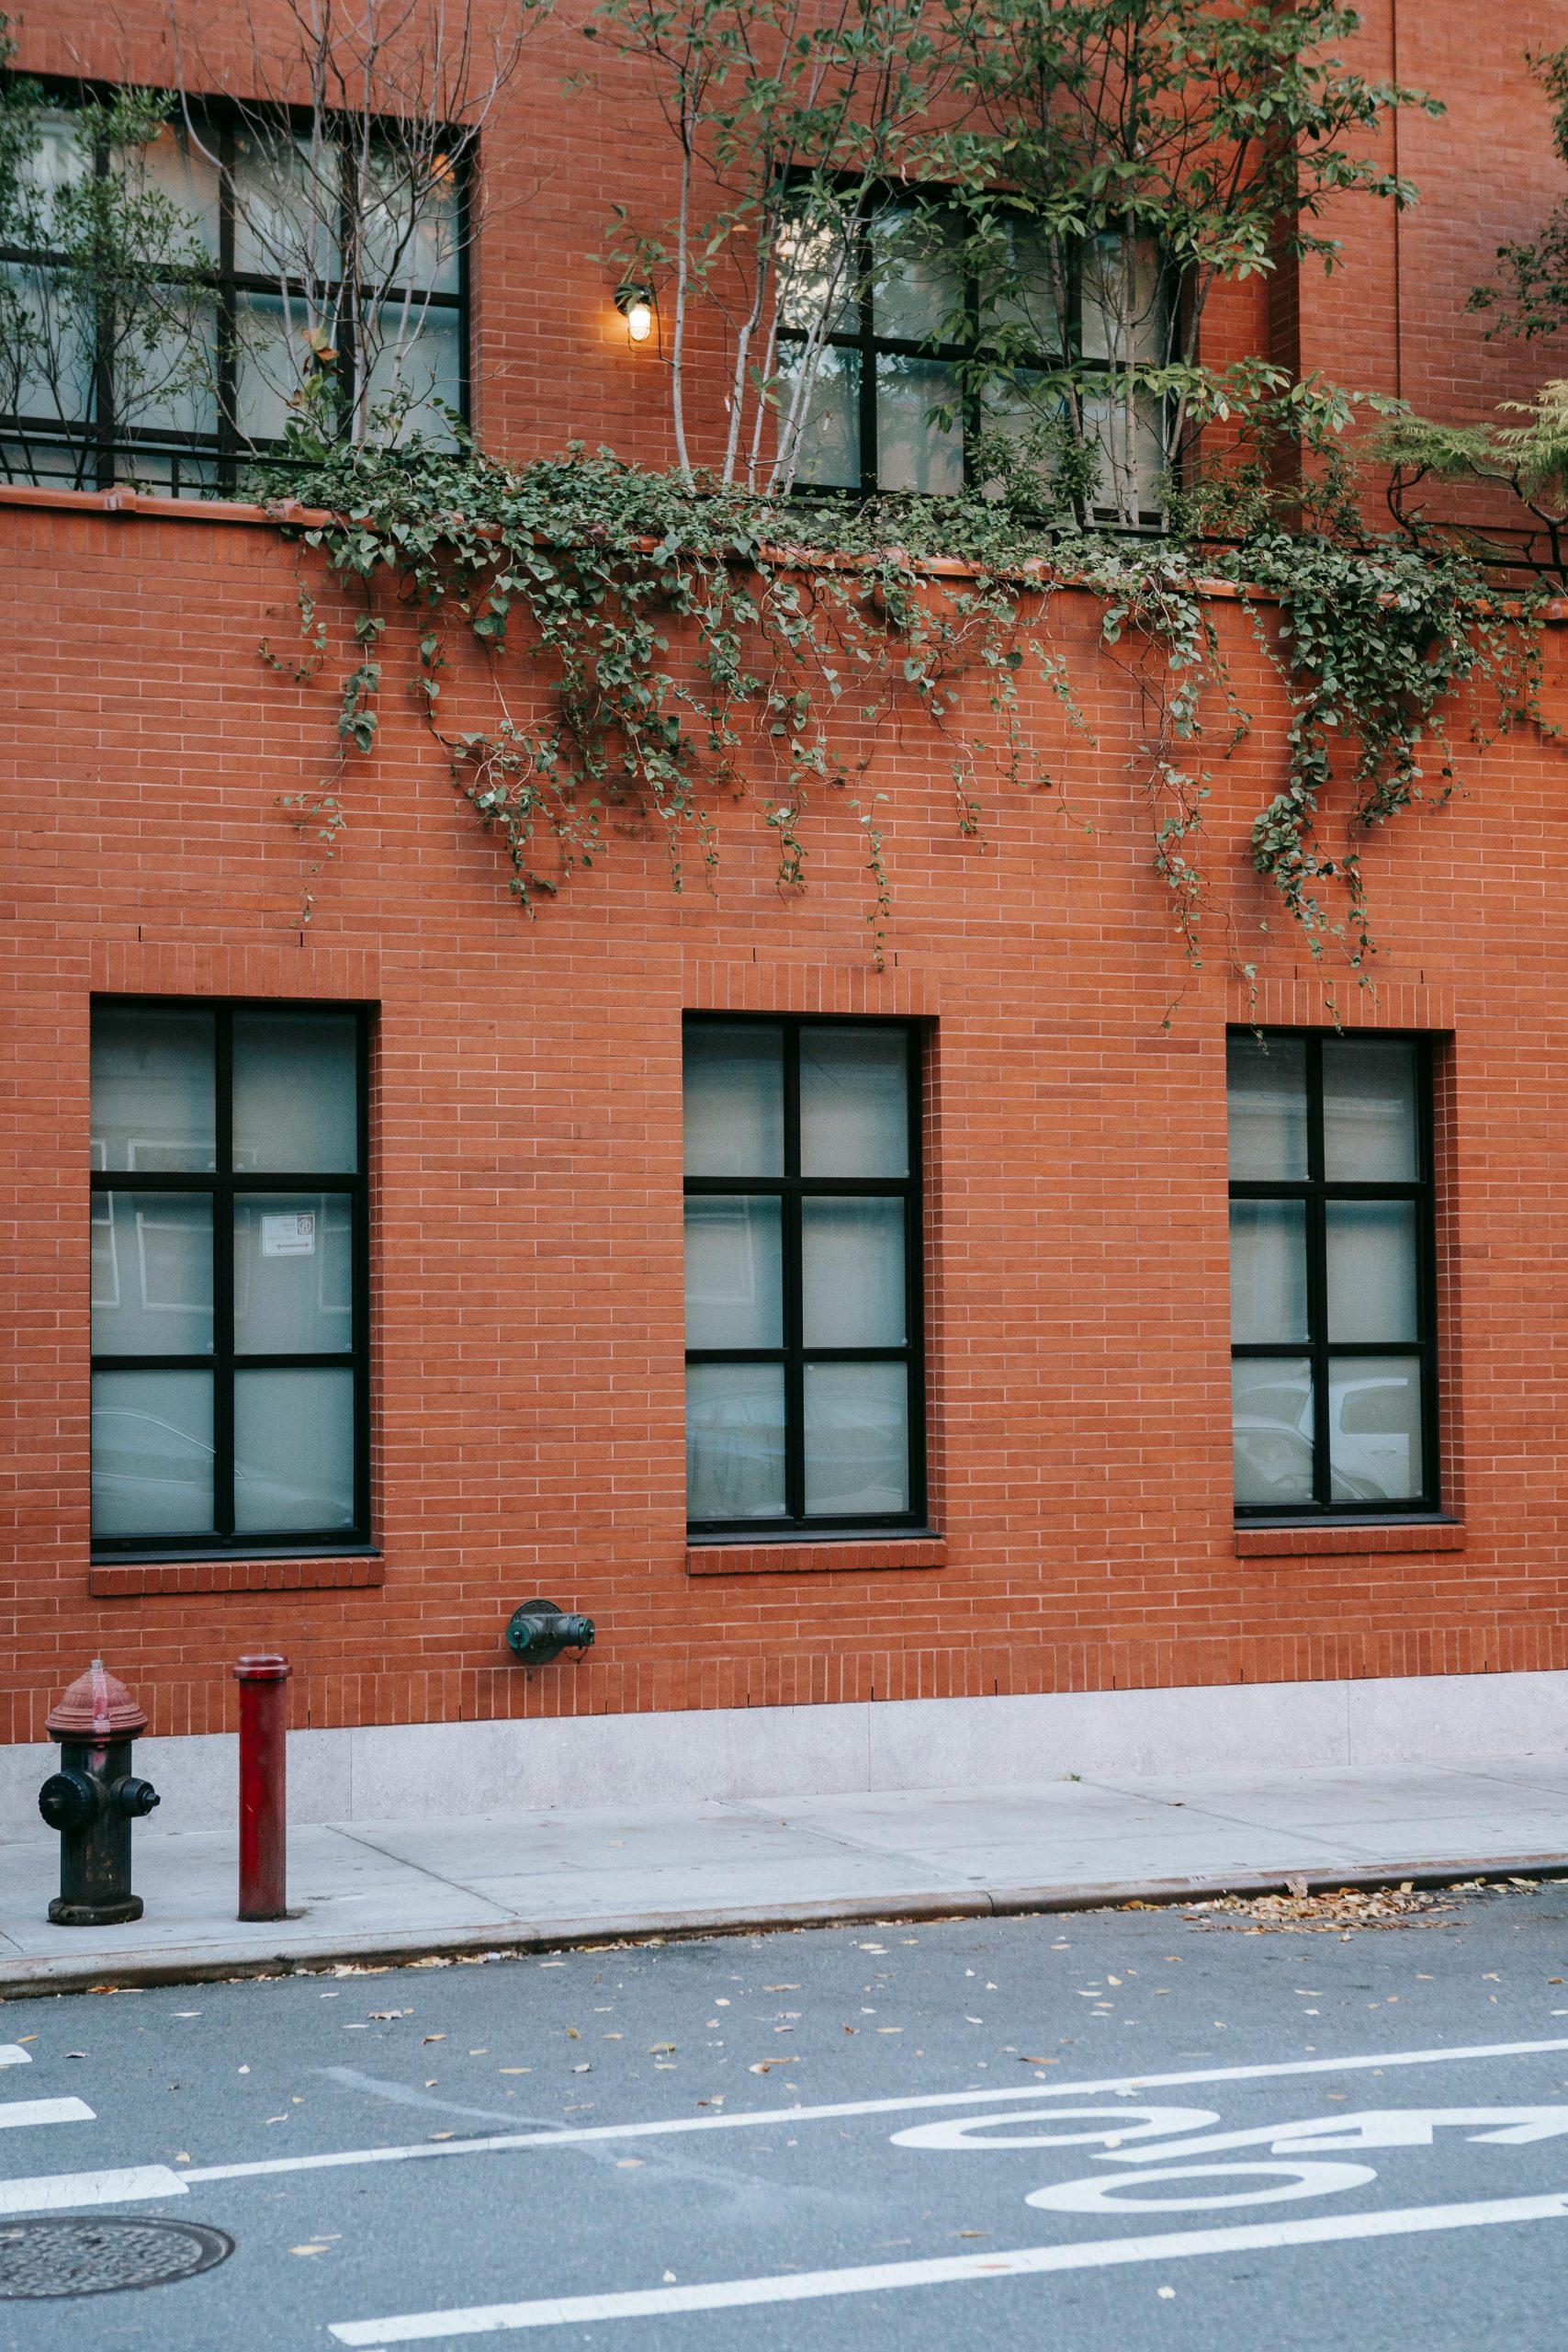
(526, 1109)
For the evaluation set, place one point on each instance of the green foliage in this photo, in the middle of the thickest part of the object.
(1528, 462)
(1378, 647)
(802, 630)
(1072, 178)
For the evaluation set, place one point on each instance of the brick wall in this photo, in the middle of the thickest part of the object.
(527, 1182)
(527, 1305)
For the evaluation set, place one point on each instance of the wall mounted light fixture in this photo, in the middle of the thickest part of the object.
(636, 304)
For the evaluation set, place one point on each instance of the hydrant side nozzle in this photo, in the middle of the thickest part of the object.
(134, 1799)
(540, 1632)
(68, 1800)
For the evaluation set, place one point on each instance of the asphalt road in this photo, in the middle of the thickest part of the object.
(1107, 2130)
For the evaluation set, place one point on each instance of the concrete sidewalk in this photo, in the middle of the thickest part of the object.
(509, 1881)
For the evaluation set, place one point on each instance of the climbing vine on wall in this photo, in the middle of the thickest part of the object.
(802, 630)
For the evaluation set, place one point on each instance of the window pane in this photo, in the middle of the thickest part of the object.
(1123, 299)
(1028, 302)
(271, 360)
(152, 1089)
(854, 1101)
(1369, 1110)
(914, 449)
(734, 1272)
(408, 215)
(825, 415)
(168, 384)
(296, 1100)
(46, 361)
(1271, 1415)
(1373, 1291)
(1269, 1291)
(735, 1440)
(1374, 1405)
(415, 355)
(857, 1440)
(151, 1274)
(151, 1452)
(293, 1274)
(293, 1451)
(288, 203)
(178, 170)
(734, 1099)
(919, 292)
(1133, 456)
(1267, 1083)
(817, 275)
(853, 1273)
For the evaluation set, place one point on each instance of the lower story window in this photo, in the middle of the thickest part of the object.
(230, 1408)
(804, 1402)
(1334, 1367)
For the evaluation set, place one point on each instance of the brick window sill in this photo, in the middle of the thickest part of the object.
(1287, 1542)
(126, 1579)
(865, 1555)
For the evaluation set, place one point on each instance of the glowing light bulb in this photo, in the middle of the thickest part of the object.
(639, 321)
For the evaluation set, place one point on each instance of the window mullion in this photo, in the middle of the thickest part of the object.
(870, 458)
(794, 1298)
(223, 1287)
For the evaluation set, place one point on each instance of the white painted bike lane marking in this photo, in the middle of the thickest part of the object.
(48, 2191)
(16, 2113)
(63, 2192)
(1020, 2262)
(13, 2055)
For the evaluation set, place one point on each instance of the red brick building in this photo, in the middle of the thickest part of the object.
(442, 1149)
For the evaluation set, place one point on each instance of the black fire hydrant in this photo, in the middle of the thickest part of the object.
(92, 1800)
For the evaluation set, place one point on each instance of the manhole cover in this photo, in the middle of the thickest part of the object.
(75, 2257)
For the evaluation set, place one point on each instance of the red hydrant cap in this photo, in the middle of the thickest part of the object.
(262, 1666)
(98, 1707)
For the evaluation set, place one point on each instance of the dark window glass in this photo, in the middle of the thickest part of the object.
(1334, 1373)
(229, 1277)
(804, 1405)
(895, 321)
(282, 251)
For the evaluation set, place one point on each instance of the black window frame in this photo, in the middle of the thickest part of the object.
(221, 1185)
(869, 346)
(214, 463)
(1316, 1191)
(792, 1187)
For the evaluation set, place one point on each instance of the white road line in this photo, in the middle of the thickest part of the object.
(1019, 2094)
(59, 2192)
(17, 2111)
(46, 2191)
(946, 2270)
(13, 2055)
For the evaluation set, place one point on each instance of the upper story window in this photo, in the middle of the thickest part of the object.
(879, 334)
(804, 1405)
(167, 299)
(230, 1280)
(1332, 1276)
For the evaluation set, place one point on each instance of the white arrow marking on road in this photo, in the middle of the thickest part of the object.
(946, 2270)
(13, 2055)
(44, 2110)
(59, 2192)
(574, 2135)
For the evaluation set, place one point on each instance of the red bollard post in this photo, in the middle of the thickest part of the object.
(263, 1820)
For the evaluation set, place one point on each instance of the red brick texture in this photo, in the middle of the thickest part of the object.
(527, 1192)
(526, 1203)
